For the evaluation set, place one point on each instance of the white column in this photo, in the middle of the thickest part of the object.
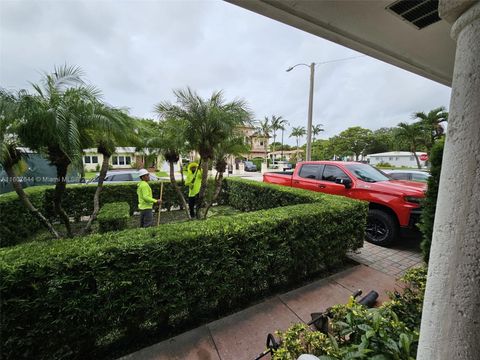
(451, 312)
(264, 168)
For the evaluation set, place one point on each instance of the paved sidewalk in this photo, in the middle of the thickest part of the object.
(394, 260)
(242, 336)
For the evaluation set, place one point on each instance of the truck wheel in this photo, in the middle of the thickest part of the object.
(381, 228)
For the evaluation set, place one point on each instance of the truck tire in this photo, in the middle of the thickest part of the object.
(381, 228)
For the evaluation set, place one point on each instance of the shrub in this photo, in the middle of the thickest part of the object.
(16, 224)
(430, 203)
(258, 163)
(355, 332)
(113, 217)
(382, 164)
(74, 298)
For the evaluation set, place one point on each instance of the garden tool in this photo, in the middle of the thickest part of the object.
(160, 204)
(320, 320)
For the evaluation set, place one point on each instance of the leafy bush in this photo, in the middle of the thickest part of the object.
(113, 217)
(388, 332)
(382, 164)
(258, 163)
(16, 222)
(78, 298)
(430, 203)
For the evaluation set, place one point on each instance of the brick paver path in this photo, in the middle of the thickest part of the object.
(394, 260)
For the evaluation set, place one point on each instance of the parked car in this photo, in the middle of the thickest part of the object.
(393, 204)
(122, 176)
(250, 166)
(284, 165)
(411, 175)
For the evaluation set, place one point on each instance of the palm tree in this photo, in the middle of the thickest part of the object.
(56, 120)
(276, 124)
(207, 123)
(433, 123)
(110, 127)
(169, 138)
(234, 145)
(412, 134)
(282, 124)
(11, 156)
(263, 129)
(316, 130)
(298, 132)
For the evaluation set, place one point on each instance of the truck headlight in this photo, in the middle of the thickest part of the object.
(413, 199)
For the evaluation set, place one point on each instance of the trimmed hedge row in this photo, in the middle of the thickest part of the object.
(77, 298)
(113, 217)
(17, 224)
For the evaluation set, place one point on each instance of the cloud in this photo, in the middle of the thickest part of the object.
(138, 52)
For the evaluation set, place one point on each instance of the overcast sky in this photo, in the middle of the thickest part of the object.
(136, 52)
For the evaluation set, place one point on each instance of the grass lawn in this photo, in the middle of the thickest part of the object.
(134, 221)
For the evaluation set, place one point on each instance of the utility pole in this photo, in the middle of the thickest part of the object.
(310, 113)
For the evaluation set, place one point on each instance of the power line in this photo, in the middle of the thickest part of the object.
(343, 59)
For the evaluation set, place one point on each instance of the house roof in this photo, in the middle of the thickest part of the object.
(397, 153)
(372, 28)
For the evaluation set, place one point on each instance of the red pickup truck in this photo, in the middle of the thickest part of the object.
(392, 203)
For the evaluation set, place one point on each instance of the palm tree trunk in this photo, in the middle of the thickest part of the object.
(274, 139)
(414, 151)
(203, 188)
(281, 156)
(28, 204)
(177, 189)
(218, 188)
(96, 198)
(181, 175)
(60, 187)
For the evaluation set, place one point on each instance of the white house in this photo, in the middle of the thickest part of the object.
(398, 158)
(123, 158)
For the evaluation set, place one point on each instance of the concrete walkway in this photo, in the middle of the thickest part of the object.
(242, 336)
(394, 260)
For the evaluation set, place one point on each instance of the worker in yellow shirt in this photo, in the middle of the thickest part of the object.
(194, 182)
(145, 199)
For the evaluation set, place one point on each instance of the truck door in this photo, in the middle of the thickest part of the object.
(329, 175)
(308, 177)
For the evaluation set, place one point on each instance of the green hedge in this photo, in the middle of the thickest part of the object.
(77, 298)
(430, 203)
(17, 224)
(113, 217)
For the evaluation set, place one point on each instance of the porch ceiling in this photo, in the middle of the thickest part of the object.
(367, 27)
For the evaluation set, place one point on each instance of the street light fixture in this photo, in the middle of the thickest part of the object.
(310, 99)
(310, 108)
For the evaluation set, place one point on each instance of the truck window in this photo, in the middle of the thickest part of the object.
(310, 171)
(331, 172)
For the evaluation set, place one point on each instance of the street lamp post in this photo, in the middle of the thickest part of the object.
(310, 98)
(310, 108)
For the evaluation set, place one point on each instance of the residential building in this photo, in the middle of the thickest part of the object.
(123, 158)
(257, 142)
(398, 158)
(287, 155)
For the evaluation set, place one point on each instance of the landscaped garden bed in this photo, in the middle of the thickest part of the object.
(81, 297)
(390, 331)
